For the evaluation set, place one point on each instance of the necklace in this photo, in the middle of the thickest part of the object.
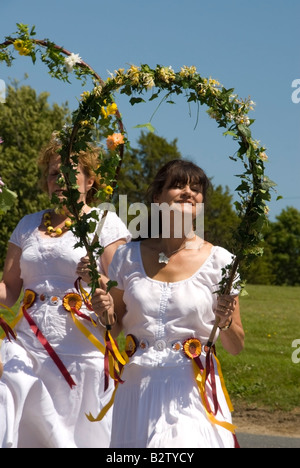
(50, 229)
(163, 258)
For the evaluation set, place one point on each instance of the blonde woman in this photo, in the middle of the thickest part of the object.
(53, 374)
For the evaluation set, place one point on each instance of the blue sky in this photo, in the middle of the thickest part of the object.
(250, 46)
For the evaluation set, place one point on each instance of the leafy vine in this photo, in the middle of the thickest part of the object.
(97, 107)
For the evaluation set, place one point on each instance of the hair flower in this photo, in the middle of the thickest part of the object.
(114, 140)
(192, 348)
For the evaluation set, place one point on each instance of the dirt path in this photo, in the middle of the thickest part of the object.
(254, 420)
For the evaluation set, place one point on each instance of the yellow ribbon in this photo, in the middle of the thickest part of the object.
(14, 322)
(111, 401)
(88, 334)
(230, 406)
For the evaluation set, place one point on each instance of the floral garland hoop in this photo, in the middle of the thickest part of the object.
(229, 112)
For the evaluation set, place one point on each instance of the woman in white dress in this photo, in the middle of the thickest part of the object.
(166, 303)
(53, 374)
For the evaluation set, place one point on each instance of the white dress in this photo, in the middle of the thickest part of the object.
(38, 408)
(159, 404)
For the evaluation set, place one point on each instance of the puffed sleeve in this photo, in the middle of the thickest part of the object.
(112, 230)
(24, 228)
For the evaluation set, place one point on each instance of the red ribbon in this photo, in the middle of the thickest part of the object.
(7, 330)
(48, 348)
(210, 369)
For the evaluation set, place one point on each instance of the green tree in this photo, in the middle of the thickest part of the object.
(141, 164)
(26, 123)
(284, 241)
(280, 263)
(220, 219)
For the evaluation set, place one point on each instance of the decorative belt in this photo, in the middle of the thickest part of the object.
(158, 345)
(192, 349)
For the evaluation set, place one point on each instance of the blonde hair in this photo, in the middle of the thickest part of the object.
(88, 160)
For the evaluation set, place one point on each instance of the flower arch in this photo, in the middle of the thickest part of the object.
(98, 108)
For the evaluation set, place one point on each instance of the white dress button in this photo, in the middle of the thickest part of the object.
(160, 345)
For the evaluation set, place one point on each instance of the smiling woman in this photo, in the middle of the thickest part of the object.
(172, 393)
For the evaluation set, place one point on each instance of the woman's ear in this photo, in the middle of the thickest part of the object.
(89, 183)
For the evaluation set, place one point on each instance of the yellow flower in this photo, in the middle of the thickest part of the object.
(114, 140)
(20, 46)
(24, 51)
(166, 74)
(187, 72)
(103, 112)
(85, 123)
(112, 108)
(85, 95)
(108, 190)
(133, 74)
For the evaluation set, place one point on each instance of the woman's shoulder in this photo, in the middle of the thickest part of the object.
(111, 227)
(31, 220)
(129, 250)
(26, 226)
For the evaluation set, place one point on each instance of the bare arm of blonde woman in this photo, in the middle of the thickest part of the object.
(232, 338)
(11, 283)
(108, 254)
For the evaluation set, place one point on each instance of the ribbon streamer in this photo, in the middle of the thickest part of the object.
(48, 348)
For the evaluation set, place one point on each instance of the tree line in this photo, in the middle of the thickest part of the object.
(26, 123)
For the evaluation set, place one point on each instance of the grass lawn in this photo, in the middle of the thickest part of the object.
(264, 373)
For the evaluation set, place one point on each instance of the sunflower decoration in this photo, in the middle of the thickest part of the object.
(130, 345)
(72, 301)
(29, 298)
(192, 348)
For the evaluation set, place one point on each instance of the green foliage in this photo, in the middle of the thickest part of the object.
(26, 124)
(223, 105)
